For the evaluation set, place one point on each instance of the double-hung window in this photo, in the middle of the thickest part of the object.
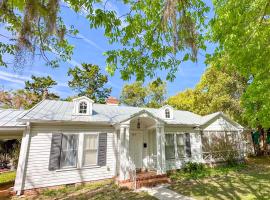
(69, 149)
(169, 146)
(177, 145)
(90, 149)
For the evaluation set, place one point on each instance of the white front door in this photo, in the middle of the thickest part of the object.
(136, 145)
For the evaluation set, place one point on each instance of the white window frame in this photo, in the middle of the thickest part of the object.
(80, 151)
(83, 152)
(167, 111)
(86, 109)
(175, 145)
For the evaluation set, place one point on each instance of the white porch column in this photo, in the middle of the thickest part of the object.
(21, 168)
(124, 152)
(160, 137)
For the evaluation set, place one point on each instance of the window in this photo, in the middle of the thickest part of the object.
(69, 148)
(169, 146)
(90, 150)
(83, 107)
(167, 113)
(180, 142)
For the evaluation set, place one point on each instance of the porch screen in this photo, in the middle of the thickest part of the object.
(169, 146)
(69, 150)
(90, 149)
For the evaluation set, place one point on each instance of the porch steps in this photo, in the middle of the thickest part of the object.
(145, 179)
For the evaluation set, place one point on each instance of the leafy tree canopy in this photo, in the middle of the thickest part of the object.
(18, 99)
(89, 81)
(241, 28)
(34, 91)
(136, 94)
(151, 34)
(40, 86)
(218, 90)
(133, 94)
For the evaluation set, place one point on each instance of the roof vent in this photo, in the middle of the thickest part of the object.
(112, 101)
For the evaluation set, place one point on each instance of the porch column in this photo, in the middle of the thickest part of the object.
(21, 168)
(160, 137)
(124, 152)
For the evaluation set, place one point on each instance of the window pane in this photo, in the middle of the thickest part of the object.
(180, 139)
(169, 146)
(90, 150)
(169, 139)
(83, 107)
(167, 113)
(180, 145)
(69, 151)
(90, 157)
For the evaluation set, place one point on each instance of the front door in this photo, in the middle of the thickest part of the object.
(136, 145)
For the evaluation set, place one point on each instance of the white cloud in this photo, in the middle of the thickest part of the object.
(6, 78)
(90, 42)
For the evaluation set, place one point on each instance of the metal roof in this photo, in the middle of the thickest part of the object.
(62, 111)
(54, 110)
(8, 118)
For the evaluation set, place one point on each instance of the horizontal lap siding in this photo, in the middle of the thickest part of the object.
(37, 173)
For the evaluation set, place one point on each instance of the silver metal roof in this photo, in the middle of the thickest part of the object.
(9, 118)
(62, 111)
(54, 110)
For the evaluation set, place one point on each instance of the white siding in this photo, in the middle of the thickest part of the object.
(37, 173)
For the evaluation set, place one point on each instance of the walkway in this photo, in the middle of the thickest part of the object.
(161, 192)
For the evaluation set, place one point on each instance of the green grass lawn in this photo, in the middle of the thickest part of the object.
(7, 179)
(250, 181)
(100, 190)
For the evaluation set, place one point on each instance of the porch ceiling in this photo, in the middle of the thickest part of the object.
(145, 122)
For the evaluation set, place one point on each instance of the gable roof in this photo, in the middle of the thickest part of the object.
(141, 112)
(207, 118)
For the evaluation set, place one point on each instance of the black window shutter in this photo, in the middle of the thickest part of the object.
(188, 145)
(54, 163)
(102, 149)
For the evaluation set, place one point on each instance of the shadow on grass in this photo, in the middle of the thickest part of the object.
(100, 190)
(249, 182)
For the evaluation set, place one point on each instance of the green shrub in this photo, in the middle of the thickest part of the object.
(193, 167)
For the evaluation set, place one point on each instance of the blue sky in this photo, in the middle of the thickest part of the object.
(89, 48)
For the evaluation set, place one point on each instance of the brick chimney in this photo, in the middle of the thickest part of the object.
(112, 101)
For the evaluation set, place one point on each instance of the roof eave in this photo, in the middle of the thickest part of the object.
(65, 121)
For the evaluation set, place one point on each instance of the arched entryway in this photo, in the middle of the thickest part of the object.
(142, 142)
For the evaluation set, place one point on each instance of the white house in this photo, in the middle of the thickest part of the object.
(69, 142)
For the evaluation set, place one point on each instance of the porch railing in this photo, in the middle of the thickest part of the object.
(220, 156)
